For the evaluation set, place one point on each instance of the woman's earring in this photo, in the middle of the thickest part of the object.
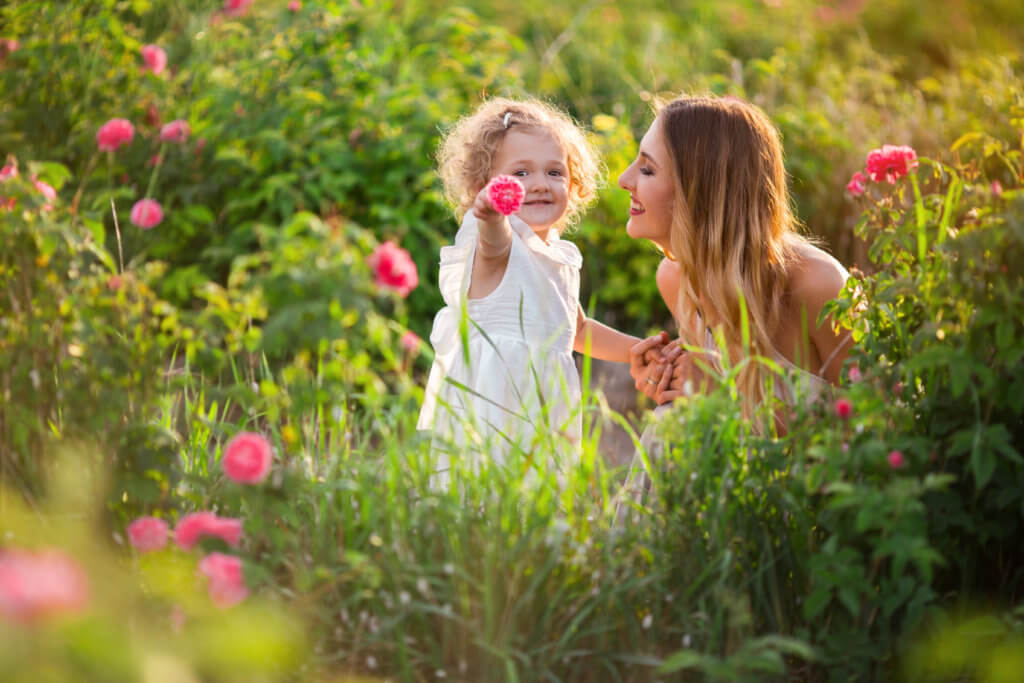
(669, 256)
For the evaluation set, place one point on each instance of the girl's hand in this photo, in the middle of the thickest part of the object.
(495, 234)
(644, 355)
(676, 373)
(485, 211)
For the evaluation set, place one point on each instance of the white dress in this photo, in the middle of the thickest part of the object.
(520, 386)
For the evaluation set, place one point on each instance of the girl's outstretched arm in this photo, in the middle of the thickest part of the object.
(493, 245)
(600, 341)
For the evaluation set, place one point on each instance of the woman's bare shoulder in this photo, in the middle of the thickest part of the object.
(816, 276)
(667, 278)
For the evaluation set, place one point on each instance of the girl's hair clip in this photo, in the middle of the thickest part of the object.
(508, 117)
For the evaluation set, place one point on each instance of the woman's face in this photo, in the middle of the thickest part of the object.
(651, 188)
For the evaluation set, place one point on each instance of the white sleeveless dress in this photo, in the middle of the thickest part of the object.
(520, 384)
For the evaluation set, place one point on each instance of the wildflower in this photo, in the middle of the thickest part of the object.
(997, 188)
(114, 133)
(236, 8)
(890, 163)
(226, 586)
(37, 584)
(393, 268)
(854, 373)
(294, 6)
(153, 115)
(506, 194)
(155, 58)
(195, 525)
(247, 458)
(411, 341)
(844, 408)
(48, 192)
(404, 597)
(857, 184)
(8, 171)
(895, 460)
(175, 131)
(146, 213)
(148, 534)
(371, 662)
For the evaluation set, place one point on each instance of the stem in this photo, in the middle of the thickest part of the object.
(156, 170)
(117, 231)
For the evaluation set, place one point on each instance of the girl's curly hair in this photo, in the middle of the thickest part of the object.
(468, 148)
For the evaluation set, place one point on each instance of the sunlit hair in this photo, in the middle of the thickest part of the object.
(466, 154)
(733, 230)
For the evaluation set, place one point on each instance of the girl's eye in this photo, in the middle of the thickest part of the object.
(555, 173)
(519, 173)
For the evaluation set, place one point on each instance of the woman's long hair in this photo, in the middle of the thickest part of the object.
(733, 230)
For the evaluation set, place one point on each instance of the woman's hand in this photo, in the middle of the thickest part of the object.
(664, 372)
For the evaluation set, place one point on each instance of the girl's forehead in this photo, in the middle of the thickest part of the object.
(530, 143)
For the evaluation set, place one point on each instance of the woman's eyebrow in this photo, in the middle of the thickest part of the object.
(649, 158)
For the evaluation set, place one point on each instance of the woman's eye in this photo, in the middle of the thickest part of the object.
(646, 171)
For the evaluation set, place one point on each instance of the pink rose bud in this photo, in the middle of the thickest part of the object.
(996, 188)
(155, 58)
(8, 171)
(294, 6)
(247, 458)
(146, 214)
(393, 268)
(411, 342)
(857, 184)
(47, 191)
(147, 534)
(895, 460)
(236, 8)
(114, 133)
(506, 194)
(195, 525)
(226, 583)
(175, 131)
(890, 163)
(39, 584)
(854, 374)
(844, 408)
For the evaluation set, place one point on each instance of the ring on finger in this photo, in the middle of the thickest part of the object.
(651, 381)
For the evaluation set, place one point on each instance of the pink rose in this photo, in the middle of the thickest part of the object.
(226, 583)
(48, 192)
(411, 342)
(895, 460)
(393, 268)
(8, 171)
(114, 133)
(8, 204)
(175, 131)
(854, 374)
(147, 533)
(146, 213)
(155, 58)
(857, 184)
(236, 8)
(890, 163)
(247, 458)
(506, 194)
(294, 5)
(997, 188)
(195, 525)
(844, 408)
(37, 584)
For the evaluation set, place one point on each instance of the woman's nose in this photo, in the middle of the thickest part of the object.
(624, 179)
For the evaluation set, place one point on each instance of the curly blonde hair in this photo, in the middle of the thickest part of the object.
(468, 148)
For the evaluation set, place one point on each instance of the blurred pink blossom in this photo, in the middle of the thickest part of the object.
(857, 184)
(895, 460)
(147, 213)
(294, 5)
(506, 194)
(48, 192)
(195, 525)
(175, 131)
(226, 583)
(393, 268)
(411, 341)
(40, 583)
(8, 204)
(8, 171)
(236, 8)
(854, 373)
(155, 58)
(153, 115)
(147, 534)
(996, 187)
(247, 458)
(890, 163)
(114, 133)
(844, 408)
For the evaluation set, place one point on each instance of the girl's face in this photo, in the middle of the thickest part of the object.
(651, 188)
(539, 162)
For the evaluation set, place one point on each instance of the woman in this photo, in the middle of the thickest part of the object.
(708, 187)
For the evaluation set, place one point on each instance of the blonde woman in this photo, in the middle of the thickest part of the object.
(708, 187)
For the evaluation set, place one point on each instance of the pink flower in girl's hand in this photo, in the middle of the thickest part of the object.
(506, 194)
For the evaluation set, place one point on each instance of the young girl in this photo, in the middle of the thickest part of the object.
(514, 384)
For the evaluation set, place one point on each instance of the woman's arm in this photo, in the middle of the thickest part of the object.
(820, 279)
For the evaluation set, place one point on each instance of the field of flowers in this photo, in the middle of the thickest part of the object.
(219, 228)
